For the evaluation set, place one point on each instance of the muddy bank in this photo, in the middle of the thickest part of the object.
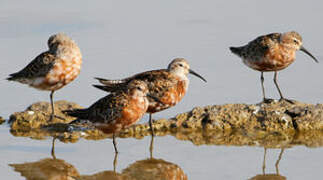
(38, 114)
(276, 116)
(239, 124)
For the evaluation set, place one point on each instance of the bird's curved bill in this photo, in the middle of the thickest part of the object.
(308, 53)
(154, 98)
(197, 75)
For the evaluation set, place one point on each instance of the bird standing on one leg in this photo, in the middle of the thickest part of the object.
(53, 69)
(118, 110)
(271, 52)
(168, 85)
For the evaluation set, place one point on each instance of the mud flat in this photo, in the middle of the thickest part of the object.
(242, 124)
(276, 116)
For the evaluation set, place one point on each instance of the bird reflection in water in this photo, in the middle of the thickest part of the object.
(54, 168)
(47, 168)
(275, 176)
(52, 152)
(151, 147)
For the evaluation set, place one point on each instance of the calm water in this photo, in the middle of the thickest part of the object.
(121, 38)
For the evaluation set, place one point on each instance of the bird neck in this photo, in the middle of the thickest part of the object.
(69, 51)
(179, 73)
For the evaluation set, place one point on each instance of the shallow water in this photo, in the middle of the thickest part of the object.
(225, 161)
(118, 39)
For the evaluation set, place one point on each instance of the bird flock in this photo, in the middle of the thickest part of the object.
(149, 92)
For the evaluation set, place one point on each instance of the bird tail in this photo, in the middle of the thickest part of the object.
(236, 50)
(111, 82)
(13, 77)
(107, 88)
(78, 113)
(10, 78)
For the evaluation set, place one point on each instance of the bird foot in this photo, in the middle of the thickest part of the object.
(268, 101)
(287, 100)
(51, 118)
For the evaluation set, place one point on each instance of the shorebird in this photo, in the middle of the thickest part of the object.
(118, 110)
(271, 52)
(52, 69)
(168, 85)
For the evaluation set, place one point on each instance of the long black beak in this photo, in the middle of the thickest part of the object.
(197, 75)
(308, 53)
(154, 98)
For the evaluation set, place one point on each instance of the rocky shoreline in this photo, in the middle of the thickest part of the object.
(248, 123)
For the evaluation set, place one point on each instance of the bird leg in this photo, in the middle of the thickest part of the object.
(151, 147)
(53, 148)
(264, 162)
(52, 104)
(52, 115)
(151, 121)
(262, 79)
(114, 143)
(280, 93)
(278, 160)
(115, 162)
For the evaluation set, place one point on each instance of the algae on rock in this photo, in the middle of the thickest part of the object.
(242, 124)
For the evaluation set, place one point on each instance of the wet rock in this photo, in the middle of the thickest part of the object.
(253, 138)
(278, 117)
(275, 123)
(38, 114)
(275, 116)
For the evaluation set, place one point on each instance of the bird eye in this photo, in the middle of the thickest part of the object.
(139, 88)
(181, 65)
(295, 41)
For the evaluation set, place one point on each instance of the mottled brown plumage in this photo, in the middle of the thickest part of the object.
(168, 85)
(118, 110)
(271, 52)
(53, 69)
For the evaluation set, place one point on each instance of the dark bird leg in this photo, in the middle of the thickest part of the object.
(262, 79)
(52, 115)
(275, 81)
(115, 162)
(151, 147)
(278, 160)
(151, 124)
(280, 93)
(52, 104)
(114, 143)
(53, 148)
(264, 162)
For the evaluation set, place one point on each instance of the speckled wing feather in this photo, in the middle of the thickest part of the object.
(259, 47)
(104, 110)
(39, 67)
(158, 81)
(148, 75)
(255, 50)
